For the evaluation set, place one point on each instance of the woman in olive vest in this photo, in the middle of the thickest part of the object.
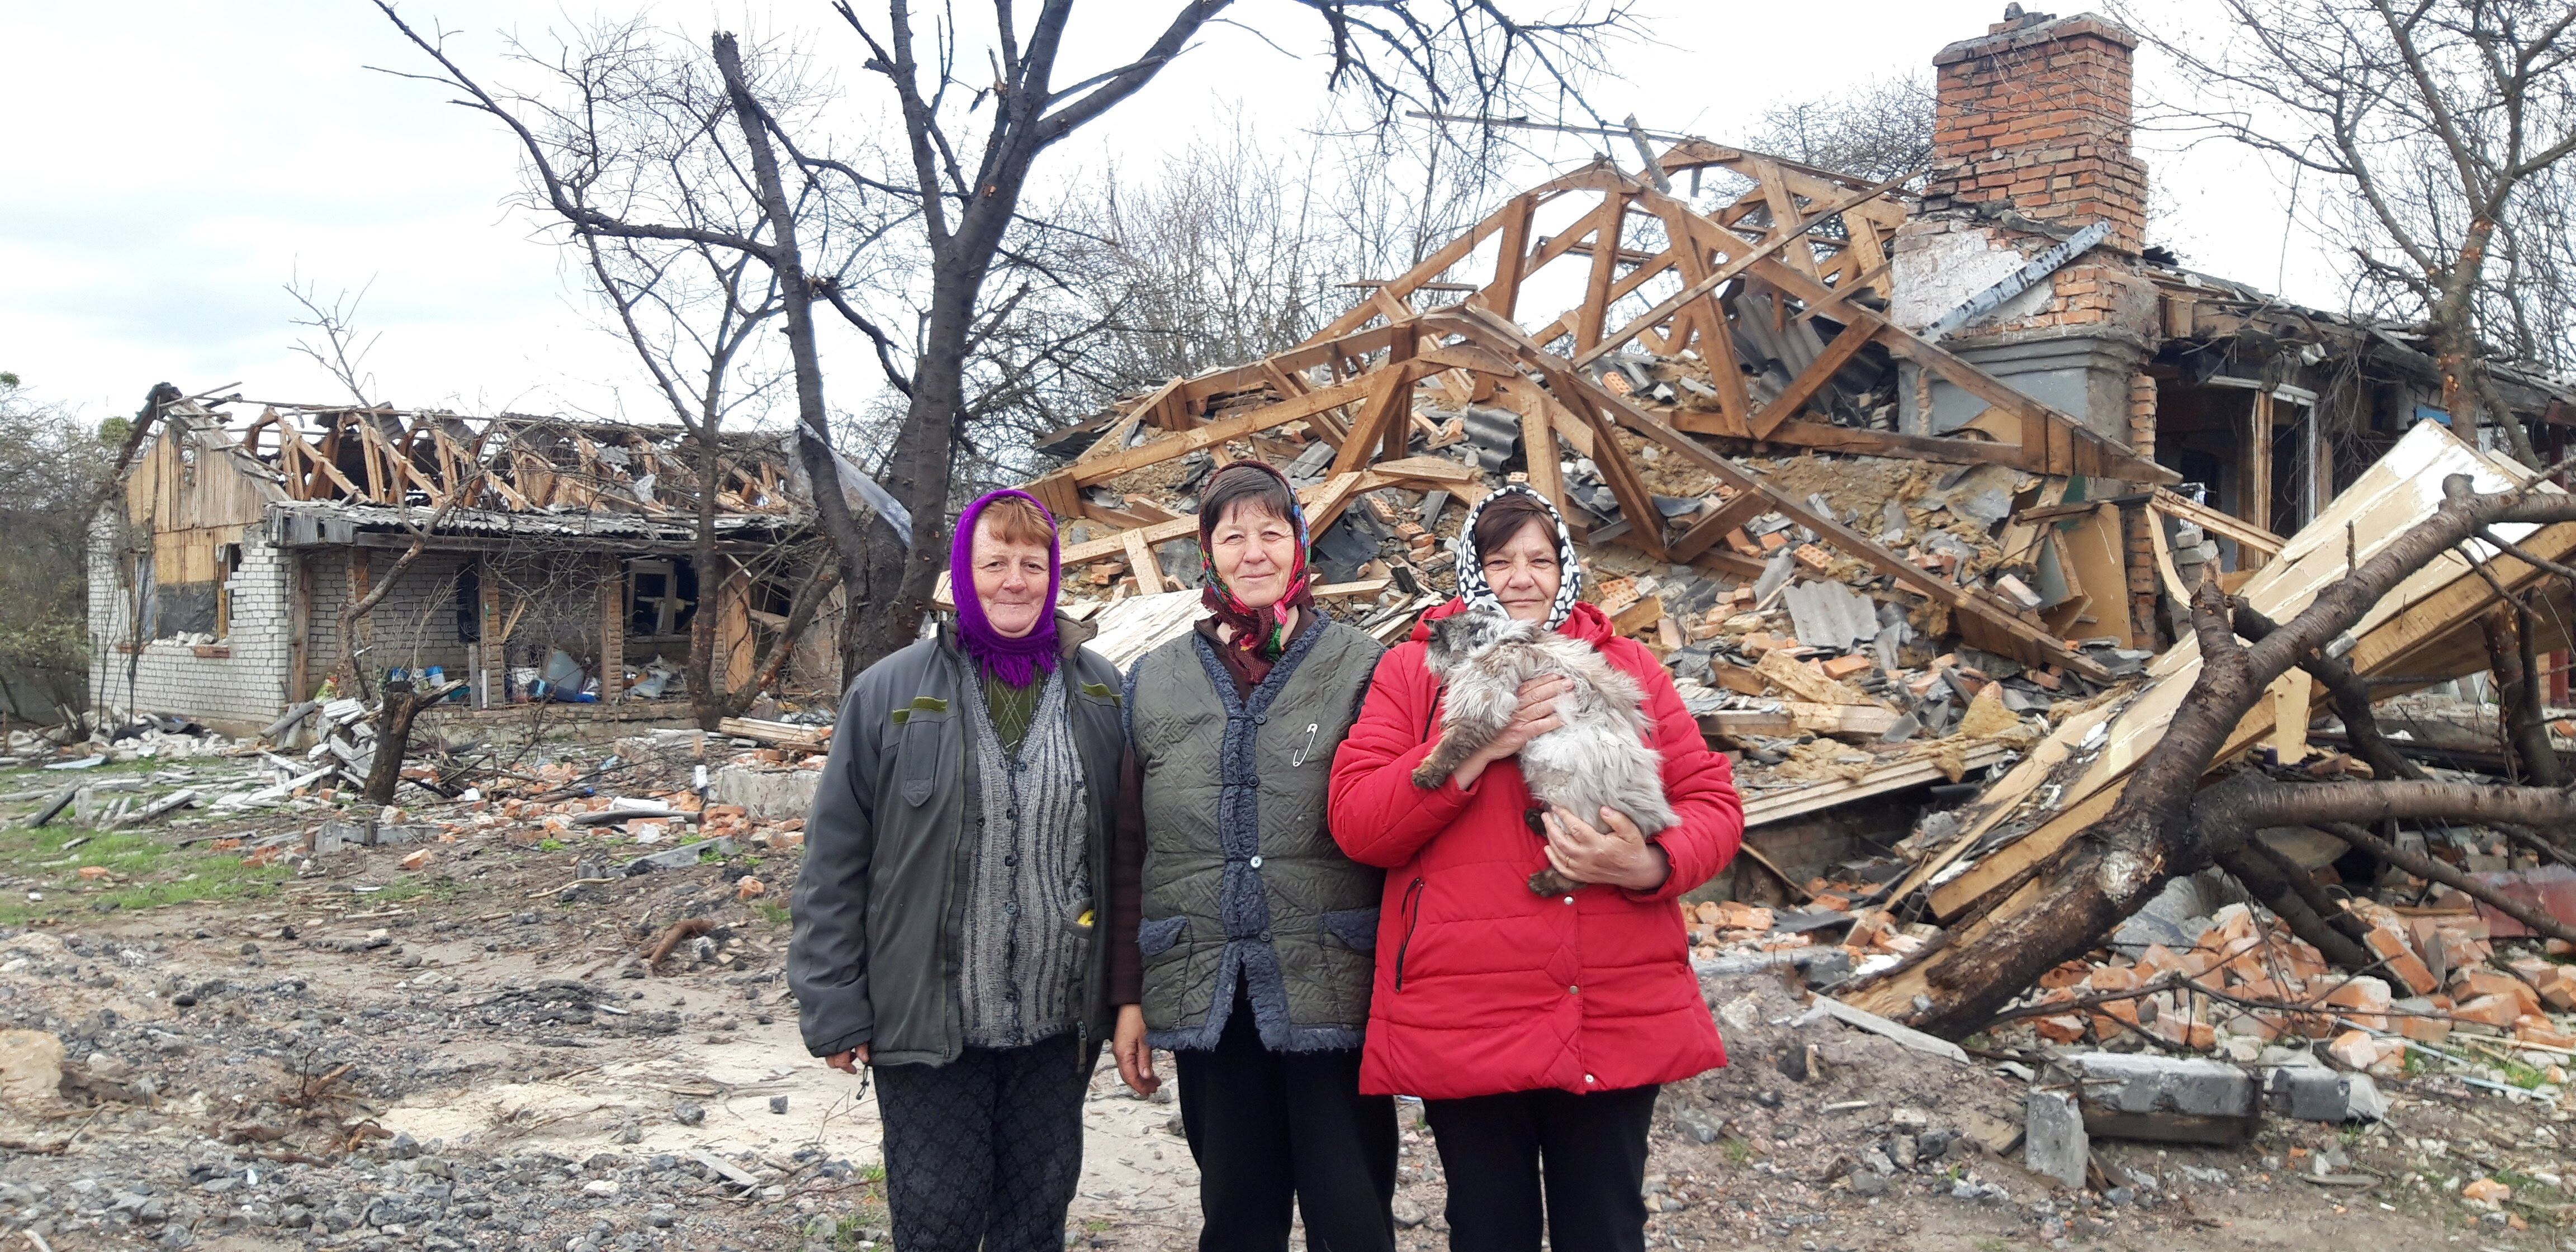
(1242, 937)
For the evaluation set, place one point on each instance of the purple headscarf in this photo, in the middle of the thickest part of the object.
(1019, 661)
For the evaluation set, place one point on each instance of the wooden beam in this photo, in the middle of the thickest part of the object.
(1141, 562)
(1606, 226)
(1264, 418)
(1381, 418)
(1432, 266)
(612, 630)
(492, 682)
(1809, 381)
(2183, 509)
(1503, 295)
(299, 627)
(1713, 525)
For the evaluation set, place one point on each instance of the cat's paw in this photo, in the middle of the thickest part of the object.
(1548, 882)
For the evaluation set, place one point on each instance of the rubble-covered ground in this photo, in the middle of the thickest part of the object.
(455, 1042)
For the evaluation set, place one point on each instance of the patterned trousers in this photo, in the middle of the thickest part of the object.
(984, 1152)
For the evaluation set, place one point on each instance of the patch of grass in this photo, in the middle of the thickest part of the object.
(2527, 1077)
(550, 845)
(440, 889)
(773, 912)
(144, 872)
(1737, 1151)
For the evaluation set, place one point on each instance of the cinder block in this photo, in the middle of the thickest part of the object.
(2054, 1143)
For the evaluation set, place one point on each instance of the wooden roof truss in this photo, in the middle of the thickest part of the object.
(1801, 253)
(506, 464)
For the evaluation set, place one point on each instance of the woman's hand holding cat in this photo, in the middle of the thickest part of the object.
(1615, 853)
(1537, 716)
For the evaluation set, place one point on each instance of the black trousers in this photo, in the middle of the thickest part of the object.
(984, 1152)
(1585, 1154)
(1268, 1127)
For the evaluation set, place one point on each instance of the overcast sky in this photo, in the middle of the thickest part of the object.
(172, 169)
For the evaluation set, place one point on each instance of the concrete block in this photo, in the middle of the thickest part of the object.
(681, 857)
(2054, 1142)
(2314, 1093)
(2167, 1099)
(334, 836)
(765, 795)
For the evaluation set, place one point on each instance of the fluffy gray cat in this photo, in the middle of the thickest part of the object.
(1598, 758)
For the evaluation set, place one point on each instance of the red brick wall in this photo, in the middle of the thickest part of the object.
(2036, 119)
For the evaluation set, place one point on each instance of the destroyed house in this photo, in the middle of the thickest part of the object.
(217, 589)
(1882, 474)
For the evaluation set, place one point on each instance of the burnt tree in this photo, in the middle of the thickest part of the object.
(2174, 818)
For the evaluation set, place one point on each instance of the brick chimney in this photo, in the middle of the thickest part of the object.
(2030, 143)
(2034, 117)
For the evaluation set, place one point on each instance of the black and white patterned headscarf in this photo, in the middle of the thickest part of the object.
(1472, 586)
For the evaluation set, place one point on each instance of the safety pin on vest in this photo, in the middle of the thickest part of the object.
(1309, 746)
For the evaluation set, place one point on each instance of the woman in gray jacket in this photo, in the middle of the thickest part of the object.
(1243, 937)
(945, 915)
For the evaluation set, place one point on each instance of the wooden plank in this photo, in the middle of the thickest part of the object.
(1381, 417)
(2291, 695)
(2254, 490)
(1503, 294)
(2093, 555)
(1606, 227)
(2183, 509)
(612, 630)
(1742, 258)
(1714, 523)
(1779, 806)
(1141, 562)
(1538, 444)
(1432, 266)
(1636, 502)
(1243, 424)
(490, 651)
(299, 626)
(1332, 496)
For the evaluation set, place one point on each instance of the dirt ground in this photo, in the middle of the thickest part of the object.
(336, 1052)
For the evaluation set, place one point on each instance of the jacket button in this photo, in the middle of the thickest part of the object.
(1265, 936)
(1574, 991)
(1569, 899)
(1590, 1078)
(1256, 862)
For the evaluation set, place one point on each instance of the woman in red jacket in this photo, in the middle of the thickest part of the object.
(1536, 1029)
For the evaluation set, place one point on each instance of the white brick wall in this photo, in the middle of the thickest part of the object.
(414, 626)
(248, 686)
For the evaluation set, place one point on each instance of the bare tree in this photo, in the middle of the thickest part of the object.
(701, 319)
(1879, 131)
(973, 127)
(336, 344)
(2443, 121)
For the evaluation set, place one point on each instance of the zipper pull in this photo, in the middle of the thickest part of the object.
(1311, 729)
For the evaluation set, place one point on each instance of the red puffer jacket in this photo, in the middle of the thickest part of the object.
(1482, 987)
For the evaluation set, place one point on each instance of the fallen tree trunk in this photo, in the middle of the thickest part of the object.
(2432, 869)
(2164, 825)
